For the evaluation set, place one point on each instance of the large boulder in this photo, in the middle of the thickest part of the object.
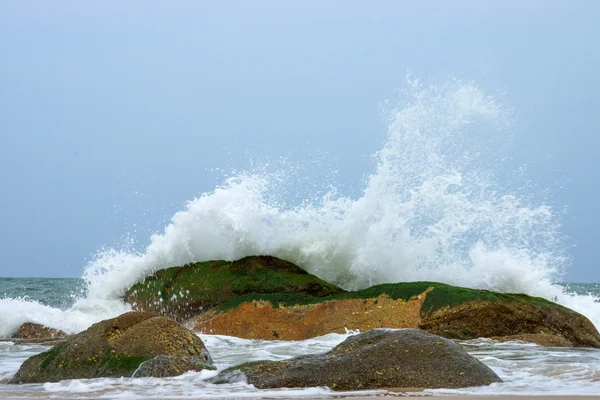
(514, 317)
(118, 347)
(268, 298)
(183, 292)
(380, 358)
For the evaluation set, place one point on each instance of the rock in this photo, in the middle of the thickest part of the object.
(32, 333)
(263, 320)
(267, 298)
(182, 292)
(515, 316)
(164, 366)
(377, 359)
(452, 312)
(117, 347)
(30, 330)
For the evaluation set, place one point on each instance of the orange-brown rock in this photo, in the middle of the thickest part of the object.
(30, 330)
(260, 320)
(269, 298)
(32, 333)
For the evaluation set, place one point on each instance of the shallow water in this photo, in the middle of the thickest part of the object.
(226, 351)
(525, 369)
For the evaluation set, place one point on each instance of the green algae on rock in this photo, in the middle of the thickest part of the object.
(535, 320)
(182, 292)
(115, 348)
(377, 359)
(264, 297)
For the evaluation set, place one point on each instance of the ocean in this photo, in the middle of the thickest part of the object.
(442, 203)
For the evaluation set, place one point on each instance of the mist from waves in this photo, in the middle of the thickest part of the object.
(439, 206)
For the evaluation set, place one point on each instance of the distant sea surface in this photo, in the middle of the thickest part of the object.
(53, 292)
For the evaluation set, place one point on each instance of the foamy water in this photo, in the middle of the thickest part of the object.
(440, 204)
(525, 369)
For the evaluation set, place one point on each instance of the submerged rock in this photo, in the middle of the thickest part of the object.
(380, 358)
(32, 333)
(164, 366)
(117, 347)
(268, 298)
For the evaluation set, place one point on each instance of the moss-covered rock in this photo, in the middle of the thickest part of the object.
(268, 298)
(530, 319)
(182, 292)
(380, 358)
(115, 348)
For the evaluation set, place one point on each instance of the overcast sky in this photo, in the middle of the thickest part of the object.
(113, 113)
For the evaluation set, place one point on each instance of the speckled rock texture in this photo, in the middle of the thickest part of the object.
(117, 347)
(30, 333)
(30, 330)
(377, 359)
(531, 319)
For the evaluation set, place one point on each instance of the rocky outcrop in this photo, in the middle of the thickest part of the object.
(30, 330)
(261, 320)
(380, 358)
(524, 318)
(117, 347)
(32, 333)
(268, 298)
(183, 292)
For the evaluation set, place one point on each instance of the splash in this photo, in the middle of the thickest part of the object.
(433, 209)
(436, 207)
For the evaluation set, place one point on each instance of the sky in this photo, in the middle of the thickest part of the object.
(113, 114)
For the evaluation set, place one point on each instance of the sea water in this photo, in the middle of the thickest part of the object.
(441, 204)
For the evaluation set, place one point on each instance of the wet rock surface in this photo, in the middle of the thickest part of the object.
(165, 366)
(533, 320)
(183, 292)
(30, 330)
(117, 347)
(380, 358)
(267, 298)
